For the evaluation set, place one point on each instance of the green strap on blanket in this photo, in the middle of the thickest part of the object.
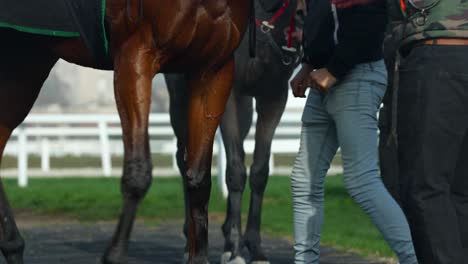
(54, 33)
(58, 33)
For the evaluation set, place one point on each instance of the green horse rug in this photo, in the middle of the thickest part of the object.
(62, 19)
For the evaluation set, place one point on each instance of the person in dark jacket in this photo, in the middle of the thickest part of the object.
(344, 69)
(432, 128)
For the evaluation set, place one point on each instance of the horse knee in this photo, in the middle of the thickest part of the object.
(198, 179)
(236, 177)
(137, 178)
(259, 178)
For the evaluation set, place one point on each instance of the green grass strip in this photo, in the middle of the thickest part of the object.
(346, 226)
(55, 33)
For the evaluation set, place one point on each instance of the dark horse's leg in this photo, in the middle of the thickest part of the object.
(269, 110)
(135, 66)
(235, 126)
(209, 91)
(22, 73)
(178, 91)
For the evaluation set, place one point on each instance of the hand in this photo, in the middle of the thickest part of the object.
(322, 79)
(300, 82)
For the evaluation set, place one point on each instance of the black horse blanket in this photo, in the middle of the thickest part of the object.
(60, 18)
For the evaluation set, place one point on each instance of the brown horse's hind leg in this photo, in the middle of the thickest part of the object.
(21, 77)
(209, 92)
(135, 66)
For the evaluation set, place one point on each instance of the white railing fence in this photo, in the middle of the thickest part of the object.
(100, 135)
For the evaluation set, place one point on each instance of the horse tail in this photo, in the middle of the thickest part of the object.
(252, 30)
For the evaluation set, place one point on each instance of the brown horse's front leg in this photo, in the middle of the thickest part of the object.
(209, 92)
(135, 65)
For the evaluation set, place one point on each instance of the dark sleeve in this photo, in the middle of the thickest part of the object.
(360, 37)
(318, 33)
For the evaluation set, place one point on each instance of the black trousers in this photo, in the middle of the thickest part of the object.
(433, 151)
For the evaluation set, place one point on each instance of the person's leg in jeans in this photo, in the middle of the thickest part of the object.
(317, 148)
(354, 105)
(432, 124)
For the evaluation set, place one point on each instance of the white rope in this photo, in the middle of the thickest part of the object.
(337, 23)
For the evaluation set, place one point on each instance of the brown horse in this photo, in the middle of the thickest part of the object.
(193, 37)
(265, 79)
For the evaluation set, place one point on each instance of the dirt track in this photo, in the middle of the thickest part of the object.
(50, 241)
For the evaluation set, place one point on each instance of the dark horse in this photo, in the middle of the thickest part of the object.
(264, 78)
(197, 38)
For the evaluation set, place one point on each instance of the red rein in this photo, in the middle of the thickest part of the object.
(350, 3)
(403, 5)
(271, 23)
(292, 26)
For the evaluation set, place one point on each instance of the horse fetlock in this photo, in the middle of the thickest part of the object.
(185, 258)
(237, 260)
(115, 256)
(109, 260)
(226, 227)
(228, 258)
(252, 238)
(257, 255)
(137, 178)
(225, 257)
(16, 258)
(236, 239)
(13, 246)
(199, 260)
(13, 250)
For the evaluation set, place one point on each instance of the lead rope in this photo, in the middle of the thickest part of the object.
(396, 78)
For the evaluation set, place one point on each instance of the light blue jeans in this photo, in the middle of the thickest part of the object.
(346, 117)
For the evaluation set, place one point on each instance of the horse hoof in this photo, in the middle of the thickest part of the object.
(226, 257)
(112, 261)
(109, 261)
(110, 258)
(15, 259)
(186, 260)
(237, 260)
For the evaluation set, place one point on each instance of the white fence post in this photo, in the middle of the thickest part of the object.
(272, 164)
(43, 130)
(105, 148)
(221, 158)
(22, 157)
(45, 155)
(175, 166)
